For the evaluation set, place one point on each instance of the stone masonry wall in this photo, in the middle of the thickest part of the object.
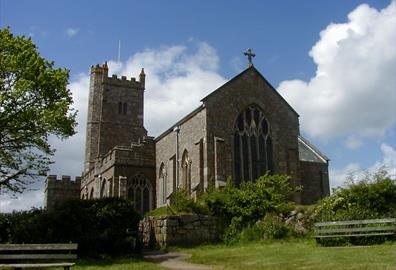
(136, 159)
(60, 190)
(315, 181)
(223, 107)
(192, 136)
(115, 113)
(178, 230)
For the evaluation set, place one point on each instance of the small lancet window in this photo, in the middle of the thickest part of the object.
(119, 107)
(125, 108)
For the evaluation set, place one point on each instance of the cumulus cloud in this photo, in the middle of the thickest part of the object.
(177, 78)
(71, 32)
(353, 91)
(388, 163)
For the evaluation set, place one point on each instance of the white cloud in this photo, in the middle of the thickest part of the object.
(28, 200)
(388, 162)
(353, 91)
(71, 32)
(177, 78)
(353, 142)
(176, 81)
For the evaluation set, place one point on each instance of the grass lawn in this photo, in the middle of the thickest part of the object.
(297, 254)
(115, 264)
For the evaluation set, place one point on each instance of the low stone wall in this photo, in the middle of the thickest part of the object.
(178, 230)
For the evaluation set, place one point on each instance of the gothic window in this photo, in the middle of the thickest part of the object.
(186, 172)
(162, 183)
(119, 107)
(91, 194)
(103, 189)
(125, 108)
(252, 145)
(139, 191)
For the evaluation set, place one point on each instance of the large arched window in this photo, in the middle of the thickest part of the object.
(162, 183)
(140, 193)
(252, 145)
(186, 172)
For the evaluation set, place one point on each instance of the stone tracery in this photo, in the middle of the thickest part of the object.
(252, 145)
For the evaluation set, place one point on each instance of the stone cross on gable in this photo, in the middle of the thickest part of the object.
(249, 53)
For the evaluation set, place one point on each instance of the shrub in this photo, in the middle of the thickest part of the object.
(372, 196)
(240, 207)
(98, 226)
(273, 227)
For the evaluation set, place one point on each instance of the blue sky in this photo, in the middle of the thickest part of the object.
(333, 61)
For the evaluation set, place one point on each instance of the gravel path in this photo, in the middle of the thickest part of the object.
(174, 260)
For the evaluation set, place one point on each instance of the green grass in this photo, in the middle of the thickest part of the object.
(131, 263)
(303, 254)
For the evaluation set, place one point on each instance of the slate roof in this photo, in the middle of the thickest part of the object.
(308, 152)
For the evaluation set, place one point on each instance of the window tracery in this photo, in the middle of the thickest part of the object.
(139, 190)
(252, 145)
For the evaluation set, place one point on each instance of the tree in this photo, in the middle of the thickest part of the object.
(34, 104)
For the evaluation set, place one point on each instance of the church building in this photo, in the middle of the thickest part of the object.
(240, 131)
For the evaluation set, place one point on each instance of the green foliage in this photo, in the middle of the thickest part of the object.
(270, 227)
(181, 202)
(374, 196)
(273, 227)
(34, 104)
(98, 226)
(242, 206)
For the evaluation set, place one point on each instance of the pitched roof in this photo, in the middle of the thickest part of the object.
(308, 152)
(251, 68)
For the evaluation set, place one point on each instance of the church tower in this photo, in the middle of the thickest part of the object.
(115, 113)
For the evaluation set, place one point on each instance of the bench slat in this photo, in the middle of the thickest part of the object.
(38, 256)
(355, 222)
(31, 265)
(38, 247)
(361, 229)
(352, 235)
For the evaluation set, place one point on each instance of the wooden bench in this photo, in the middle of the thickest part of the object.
(20, 256)
(355, 228)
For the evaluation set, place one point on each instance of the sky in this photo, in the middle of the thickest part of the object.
(333, 61)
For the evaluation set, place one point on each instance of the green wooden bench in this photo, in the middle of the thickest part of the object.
(355, 228)
(19, 256)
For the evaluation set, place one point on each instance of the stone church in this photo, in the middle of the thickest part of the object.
(241, 130)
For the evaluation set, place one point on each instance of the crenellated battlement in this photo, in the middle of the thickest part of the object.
(140, 153)
(58, 190)
(120, 81)
(63, 178)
